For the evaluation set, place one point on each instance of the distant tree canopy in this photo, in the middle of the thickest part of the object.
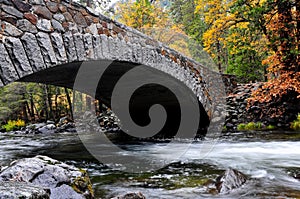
(153, 19)
(33, 102)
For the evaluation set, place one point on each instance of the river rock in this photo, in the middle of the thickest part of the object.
(138, 195)
(68, 127)
(108, 121)
(43, 173)
(35, 126)
(49, 128)
(11, 190)
(229, 180)
(63, 120)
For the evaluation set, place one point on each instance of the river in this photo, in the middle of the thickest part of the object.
(270, 159)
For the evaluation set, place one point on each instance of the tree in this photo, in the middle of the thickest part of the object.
(183, 12)
(257, 34)
(13, 102)
(33, 102)
(232, 37)
(283, 88)
(154, 20)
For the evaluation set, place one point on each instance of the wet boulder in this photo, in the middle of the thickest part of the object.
(11, 190)
(138, 195)
(108, 121)
(68, 127)
(229, 180)
(63, 181)
(63, 120)
(47, 129)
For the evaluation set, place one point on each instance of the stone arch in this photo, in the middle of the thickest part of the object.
(43, 36)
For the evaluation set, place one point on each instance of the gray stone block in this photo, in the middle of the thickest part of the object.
(97, 47)
(33, 51)
(88, 46)
(105, 46)
(11, 30)
(57, 26)
(79, 46)
(18, 56)
(92, 29)
(46, 49)
(113, 48)
(26, 26)
(59, 17)
(44, 25)
(7, 69)
(12, 11)
(59, 48)
(70, 46)
(137, 53)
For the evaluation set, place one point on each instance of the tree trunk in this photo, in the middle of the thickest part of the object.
(24, 110)
(285, 20)
(28, 111)
(57, 109)
(219, 56)
(32, 108)
(70, 103)
(49, 101)
(46, 106)
(298, 32)
(88, 103)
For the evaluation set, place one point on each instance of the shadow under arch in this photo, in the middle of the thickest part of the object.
(65, 75)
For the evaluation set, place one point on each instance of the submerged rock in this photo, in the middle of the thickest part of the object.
(138, 195)
(229, 180)
(42, 172)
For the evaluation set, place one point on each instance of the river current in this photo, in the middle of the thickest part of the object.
(271, 160)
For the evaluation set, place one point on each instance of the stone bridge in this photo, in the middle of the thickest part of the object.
(46, 42)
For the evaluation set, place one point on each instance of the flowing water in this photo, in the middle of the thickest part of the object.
(271, 160)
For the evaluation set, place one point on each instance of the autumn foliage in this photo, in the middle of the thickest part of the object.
(152, 19)
(283, 87)
(243, 33)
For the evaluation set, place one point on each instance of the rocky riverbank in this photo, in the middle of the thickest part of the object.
(107, 120)
(237, 105)
(43, 177)
(239, 113)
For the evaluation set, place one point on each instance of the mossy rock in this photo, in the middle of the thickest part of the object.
(82, 184)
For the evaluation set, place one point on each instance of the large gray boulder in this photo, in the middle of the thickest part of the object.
(61, 179)
(12, 190)
(229, 180)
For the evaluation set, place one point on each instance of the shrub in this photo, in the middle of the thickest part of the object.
(295, 125)
(241, 127)
(258, 125)
(270, 127)
(250, 126)
(13, 125)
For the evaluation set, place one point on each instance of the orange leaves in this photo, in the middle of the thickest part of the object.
(276, 95)
(288, 82)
